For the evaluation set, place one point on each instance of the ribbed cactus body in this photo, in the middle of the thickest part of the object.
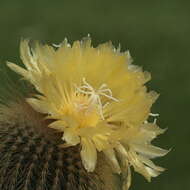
(31, 161)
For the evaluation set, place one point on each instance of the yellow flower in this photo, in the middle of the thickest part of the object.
(98, 99)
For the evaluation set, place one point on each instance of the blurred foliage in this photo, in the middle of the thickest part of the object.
(157, 35)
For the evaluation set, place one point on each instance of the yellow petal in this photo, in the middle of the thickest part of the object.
(152, 173)
(88, 154)
(25, 54)
(150, 150)
(126, 179)
(38, 105)
(110, 154)
(70, 137)
(58, 125)
(101, 142)
(149, 163)
(138, 165)
(21, 71)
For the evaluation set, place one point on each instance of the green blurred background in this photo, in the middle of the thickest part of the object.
(157, 35)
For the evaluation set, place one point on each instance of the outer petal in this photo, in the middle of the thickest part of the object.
(70, 137)
(126, 179)
(110, 154)
(58, 125)
(149, 150)
(88, 154)
(150, 164)
(147, 133)
(38, 105)
(23, 72)
(139, 166)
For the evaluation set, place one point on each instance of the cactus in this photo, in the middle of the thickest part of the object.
(30, 161)
(82, 122)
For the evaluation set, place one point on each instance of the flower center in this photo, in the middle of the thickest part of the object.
(85, 104)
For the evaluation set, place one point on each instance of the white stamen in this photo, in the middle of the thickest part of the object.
(154, 114)
(94, 98)
(155, 120)
(57, 45)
